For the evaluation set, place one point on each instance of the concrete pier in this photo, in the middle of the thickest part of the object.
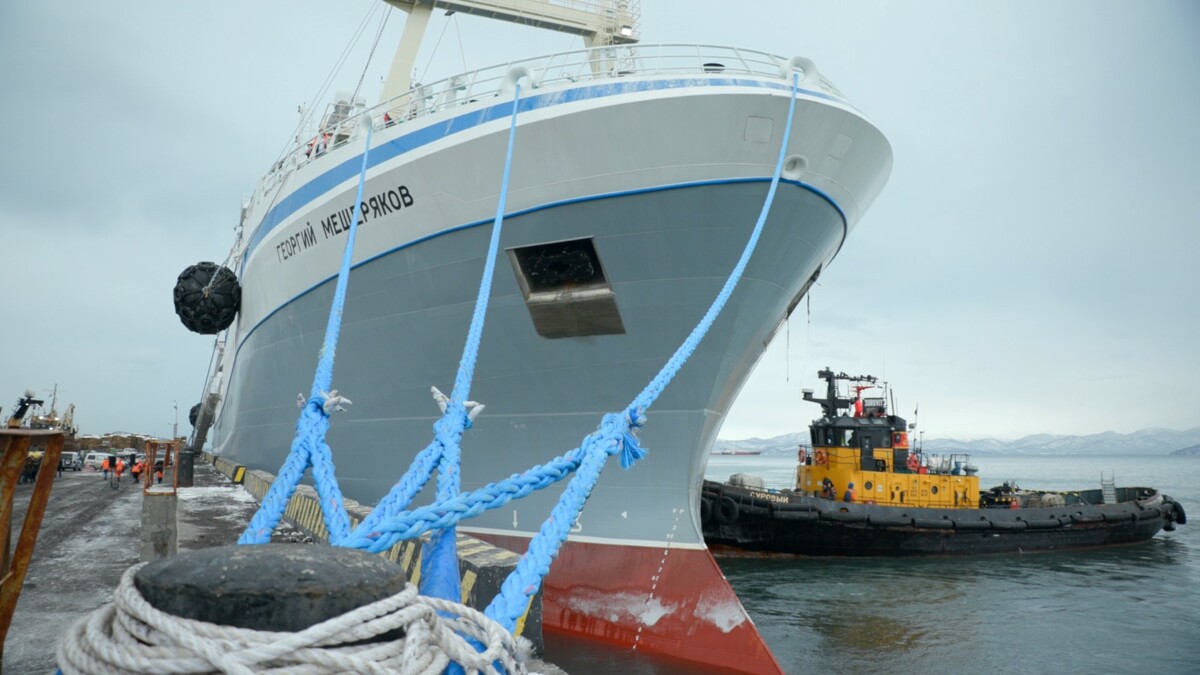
(92, 534)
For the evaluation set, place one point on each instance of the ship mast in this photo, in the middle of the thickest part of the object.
(832, 403)
(608, 22)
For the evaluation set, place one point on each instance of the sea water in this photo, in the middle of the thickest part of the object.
(1126, 609)
(1119, 610)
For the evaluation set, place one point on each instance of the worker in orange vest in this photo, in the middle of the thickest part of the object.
(158, 473)
(104, 466)
(120, 468)
(849, 496)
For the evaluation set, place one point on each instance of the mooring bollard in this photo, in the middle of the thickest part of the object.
(283, 607)
(187, 462)
(271, 587)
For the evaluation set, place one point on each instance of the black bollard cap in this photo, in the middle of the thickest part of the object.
(271, 587)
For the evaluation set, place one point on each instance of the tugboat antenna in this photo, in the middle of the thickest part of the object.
(832, 403)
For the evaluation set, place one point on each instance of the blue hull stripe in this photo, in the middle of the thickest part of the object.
(565, 202)
(388, 151)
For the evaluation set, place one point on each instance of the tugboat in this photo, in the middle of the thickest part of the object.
(862, 490)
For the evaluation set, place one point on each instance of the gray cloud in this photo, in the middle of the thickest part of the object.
(1029, 268)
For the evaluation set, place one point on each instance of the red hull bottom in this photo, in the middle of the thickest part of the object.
(669, 601)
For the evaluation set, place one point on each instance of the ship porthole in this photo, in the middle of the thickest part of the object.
(868, 486)
(933, 489)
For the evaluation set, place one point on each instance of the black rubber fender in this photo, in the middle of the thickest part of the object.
(844, 516)
(1009, 524)
(753, 510)
(794, 507)
(1180, 516)
(1148, 513)
(795, 515)
(1118, 516)
(207, 297)
(890, 521)
(1044, 524)
(972, 524)
(727, 511)
(1087, 518)
(706, 509)
(933, 523)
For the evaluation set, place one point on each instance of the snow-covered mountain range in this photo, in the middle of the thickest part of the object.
(1154, 441)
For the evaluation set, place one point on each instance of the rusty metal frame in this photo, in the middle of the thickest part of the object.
(15, 443)
(170, 459)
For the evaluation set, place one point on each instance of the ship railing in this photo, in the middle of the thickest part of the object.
(595, 65)
(950, 465)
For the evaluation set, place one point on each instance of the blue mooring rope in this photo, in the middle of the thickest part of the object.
(616, 435)
(309, 447)
(439, 561)
(387, 524)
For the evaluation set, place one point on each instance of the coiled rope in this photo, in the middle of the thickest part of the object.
(131, 636)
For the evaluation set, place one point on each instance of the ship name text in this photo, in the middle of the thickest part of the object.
(377, 206)
(779, 499)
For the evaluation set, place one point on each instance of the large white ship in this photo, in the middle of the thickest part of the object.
(638, 172)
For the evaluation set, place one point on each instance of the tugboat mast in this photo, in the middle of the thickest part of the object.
(832, 403)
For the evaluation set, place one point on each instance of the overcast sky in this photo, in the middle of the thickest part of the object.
(1032, 265)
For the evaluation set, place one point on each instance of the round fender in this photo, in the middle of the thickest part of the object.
(706, 510)
(1148, 513)
(727, 511)
(207, 296)
(1180, 516)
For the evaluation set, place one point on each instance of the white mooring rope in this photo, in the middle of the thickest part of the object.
(130, 636)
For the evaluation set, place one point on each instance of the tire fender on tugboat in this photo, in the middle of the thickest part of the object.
(1180, 516)
(706, 509)
(727, 511)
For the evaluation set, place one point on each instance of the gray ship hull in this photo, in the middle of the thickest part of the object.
(666, 252)
(664, 177)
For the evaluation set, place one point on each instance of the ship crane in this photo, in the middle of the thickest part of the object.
(598, 24)
(68, 420)
(23, 405)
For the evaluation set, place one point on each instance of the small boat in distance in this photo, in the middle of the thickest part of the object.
(738, 453)
(861, 490)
